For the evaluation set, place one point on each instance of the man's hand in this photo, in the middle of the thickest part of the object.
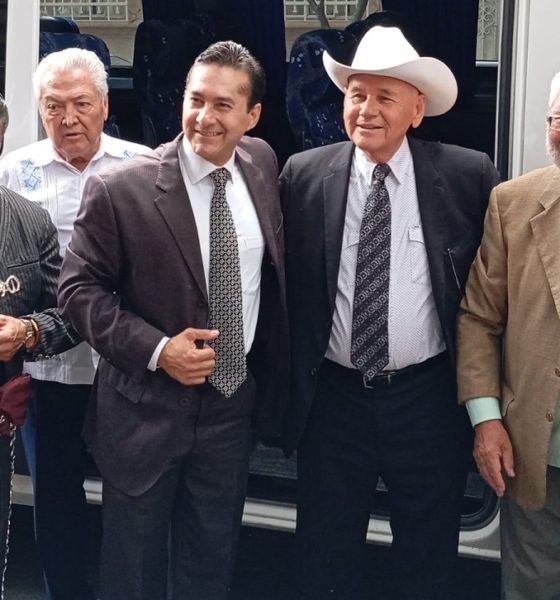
(493, 454)
(12, 336)
(182, 360)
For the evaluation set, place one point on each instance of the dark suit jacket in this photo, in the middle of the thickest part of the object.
(29, 252)
(453, 186)
(132, 274)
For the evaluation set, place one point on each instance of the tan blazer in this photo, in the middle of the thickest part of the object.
(509, 322)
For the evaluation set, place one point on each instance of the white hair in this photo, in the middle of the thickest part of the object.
(4, 115)
(67, 60)
(554, 89)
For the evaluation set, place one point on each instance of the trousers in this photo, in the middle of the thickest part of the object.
(407, 430)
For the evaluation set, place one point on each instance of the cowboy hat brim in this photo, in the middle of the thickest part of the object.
(429, 75)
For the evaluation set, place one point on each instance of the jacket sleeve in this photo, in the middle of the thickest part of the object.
(89, 292)
(56, 333)
(483, 313)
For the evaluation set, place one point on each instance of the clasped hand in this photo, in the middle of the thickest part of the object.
(184, 361)
(12, 336)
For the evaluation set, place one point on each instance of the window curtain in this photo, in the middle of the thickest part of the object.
(445, 29)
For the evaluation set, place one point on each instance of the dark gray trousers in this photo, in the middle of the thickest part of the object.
(530, 542)
(178, 540)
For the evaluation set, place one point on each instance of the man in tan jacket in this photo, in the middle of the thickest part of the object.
(509, 368)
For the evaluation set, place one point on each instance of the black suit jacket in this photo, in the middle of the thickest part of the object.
(132, 274)
(29, 252)
(453, 186)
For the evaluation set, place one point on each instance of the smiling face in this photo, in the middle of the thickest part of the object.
(73, 113)
(215, 111)
(553, 135)
(378, 112)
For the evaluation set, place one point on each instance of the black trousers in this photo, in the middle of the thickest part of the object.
(178, 540)
(6, 448)
(58, 460)
(409, 432)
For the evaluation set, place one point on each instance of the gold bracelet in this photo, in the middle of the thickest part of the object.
(31, 334)
(36, 334)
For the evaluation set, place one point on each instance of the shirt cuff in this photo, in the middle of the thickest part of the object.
(152, 365)
(482, 409)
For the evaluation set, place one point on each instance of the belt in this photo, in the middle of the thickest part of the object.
(385, 379)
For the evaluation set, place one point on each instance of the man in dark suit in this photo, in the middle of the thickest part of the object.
(29, 266)
(175, 275)
(380, 233)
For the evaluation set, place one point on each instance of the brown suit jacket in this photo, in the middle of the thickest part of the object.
(132, 274)
(509, 322)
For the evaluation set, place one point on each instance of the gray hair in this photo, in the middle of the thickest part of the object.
(67, 60)
(4, 116)
(554, 89)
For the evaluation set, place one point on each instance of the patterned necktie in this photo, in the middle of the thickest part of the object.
(370, 333)
(224, 293)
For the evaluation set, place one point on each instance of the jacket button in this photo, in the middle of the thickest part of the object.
(313, 371)
(549, 416)
(557, 372)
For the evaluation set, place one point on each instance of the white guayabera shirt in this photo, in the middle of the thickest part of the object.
(38, 173)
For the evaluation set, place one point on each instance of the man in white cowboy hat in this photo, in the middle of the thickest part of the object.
(380, 233)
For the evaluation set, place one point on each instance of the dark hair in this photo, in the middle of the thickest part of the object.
(231, 54)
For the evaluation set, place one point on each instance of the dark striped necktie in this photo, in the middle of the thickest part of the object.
(370, 333)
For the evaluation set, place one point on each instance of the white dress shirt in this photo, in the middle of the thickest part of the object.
(38, 173)
(200, 189)
(414, 328)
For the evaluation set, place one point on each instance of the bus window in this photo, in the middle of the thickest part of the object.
(150, 43)
(147, 77)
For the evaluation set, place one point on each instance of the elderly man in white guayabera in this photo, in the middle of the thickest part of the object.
(72, 92)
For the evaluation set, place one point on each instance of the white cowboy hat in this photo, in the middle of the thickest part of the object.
(385, 51)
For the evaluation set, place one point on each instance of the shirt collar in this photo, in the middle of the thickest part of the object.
(47, 154)
(400, 163)
(196, 167)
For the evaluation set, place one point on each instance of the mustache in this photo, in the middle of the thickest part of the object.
(553, 150)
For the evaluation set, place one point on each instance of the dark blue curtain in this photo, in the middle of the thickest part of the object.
(261, 29)
(167, 9)
(445, 29)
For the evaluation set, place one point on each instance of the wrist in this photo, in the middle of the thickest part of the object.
(29, 332)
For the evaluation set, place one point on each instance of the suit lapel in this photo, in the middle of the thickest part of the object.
(433, 213)
(262, 195)
(175, 208)
(335, 194)
(546, 231)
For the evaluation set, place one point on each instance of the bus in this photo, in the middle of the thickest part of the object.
(502, 60)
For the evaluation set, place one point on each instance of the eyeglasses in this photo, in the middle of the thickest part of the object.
(553, 122)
